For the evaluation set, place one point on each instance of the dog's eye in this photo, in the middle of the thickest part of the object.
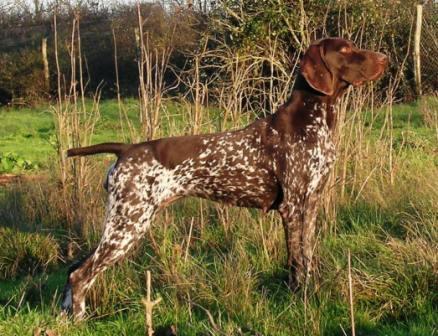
(345, 50)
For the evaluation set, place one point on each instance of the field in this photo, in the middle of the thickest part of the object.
(220, 270)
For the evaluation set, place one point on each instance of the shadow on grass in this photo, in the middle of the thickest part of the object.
(32, 253)
(274, 282)
(37, 291)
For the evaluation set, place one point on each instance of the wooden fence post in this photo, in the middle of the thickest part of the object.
(45, 63)
(149, 305)
(417, 64)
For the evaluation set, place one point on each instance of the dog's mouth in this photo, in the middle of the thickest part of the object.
(366, 77)
(378, 74)
(369, 73)
(357, 82)
(381, 65)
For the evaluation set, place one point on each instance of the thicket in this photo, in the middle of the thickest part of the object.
(103, 27)
(243, 27)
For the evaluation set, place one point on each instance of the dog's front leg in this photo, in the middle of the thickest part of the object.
(299, 222)
(308, 233)
(291, 211)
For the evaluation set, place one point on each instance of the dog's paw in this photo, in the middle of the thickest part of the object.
(67, 301)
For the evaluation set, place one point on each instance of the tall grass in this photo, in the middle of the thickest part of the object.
(75, 123)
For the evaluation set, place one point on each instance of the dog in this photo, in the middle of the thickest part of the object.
(280, 162)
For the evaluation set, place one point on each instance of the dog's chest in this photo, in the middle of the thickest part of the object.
(310, 157)
(320, 160)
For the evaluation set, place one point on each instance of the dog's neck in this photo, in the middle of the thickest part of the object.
(305, 104)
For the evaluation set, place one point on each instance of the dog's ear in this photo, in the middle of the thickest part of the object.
(315, 70)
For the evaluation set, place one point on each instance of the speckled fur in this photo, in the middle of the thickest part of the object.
(280, 162)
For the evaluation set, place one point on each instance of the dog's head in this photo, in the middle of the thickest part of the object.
(332, 62)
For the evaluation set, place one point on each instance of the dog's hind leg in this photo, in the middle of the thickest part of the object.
(126, 222)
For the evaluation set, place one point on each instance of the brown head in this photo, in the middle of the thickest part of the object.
(334, 63)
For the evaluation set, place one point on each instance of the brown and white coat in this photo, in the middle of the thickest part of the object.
(280, 162)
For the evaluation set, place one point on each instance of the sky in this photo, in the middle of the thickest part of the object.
(30, 3)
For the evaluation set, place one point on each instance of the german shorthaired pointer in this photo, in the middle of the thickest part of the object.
(280, 162)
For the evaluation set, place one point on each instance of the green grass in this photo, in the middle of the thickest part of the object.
(30, 132)
(230, 280)
(26, 253)
(229, 275)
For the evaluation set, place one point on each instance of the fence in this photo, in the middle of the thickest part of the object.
(429, 48)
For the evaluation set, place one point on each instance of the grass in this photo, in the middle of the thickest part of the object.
(26, 253)
(229, 278)
(30, 132)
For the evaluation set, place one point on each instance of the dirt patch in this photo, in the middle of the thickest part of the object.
(6, 179)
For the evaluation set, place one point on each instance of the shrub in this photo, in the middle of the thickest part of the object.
(11, 162)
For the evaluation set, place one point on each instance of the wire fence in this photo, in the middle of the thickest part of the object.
(429, 47)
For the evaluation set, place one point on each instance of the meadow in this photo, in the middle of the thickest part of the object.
(220, 270)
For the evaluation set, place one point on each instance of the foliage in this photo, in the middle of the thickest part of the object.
(383, 25)
(243, 25)
(12, 162)
(249, 23)
(21, 73)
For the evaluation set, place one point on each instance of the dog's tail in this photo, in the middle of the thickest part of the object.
(109, 147)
